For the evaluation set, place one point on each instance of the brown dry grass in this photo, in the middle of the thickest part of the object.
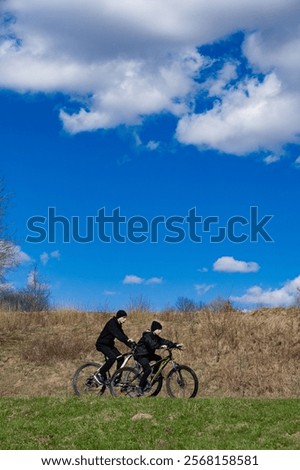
(234, 354)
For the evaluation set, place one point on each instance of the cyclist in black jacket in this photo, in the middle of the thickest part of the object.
(145, 351)
(106, 344)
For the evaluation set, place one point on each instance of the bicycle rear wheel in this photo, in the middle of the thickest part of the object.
(182, 382)
(83, 380)
(125, 383)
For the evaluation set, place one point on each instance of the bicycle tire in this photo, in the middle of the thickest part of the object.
(83, 380)
(125, 382)
(182, 382)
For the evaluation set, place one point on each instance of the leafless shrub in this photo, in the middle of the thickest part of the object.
(186, 305)
(139, 304)
(25, 300)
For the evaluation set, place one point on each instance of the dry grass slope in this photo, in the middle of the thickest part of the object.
(234, 354)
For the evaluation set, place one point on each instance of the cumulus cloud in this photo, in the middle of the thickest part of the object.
(45, 257)
(121, 61)
(284, 295)
(20, 256)
(249, 117)
(133, 279)
(228, 264)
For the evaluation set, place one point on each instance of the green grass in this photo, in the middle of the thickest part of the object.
(106, 423)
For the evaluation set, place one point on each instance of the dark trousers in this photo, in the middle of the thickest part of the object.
(145, 363)
(112, 354)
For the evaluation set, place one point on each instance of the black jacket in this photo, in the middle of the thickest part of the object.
(149, 342)
(112, 330)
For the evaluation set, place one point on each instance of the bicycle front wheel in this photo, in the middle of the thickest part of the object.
(125, 383)
(182, 382)
(83, 380)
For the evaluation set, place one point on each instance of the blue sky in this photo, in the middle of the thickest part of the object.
(193, 109)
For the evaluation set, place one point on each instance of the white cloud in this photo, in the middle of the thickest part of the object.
(203, 288)
(152, 145)
(251, 116)
(228, 264)
(216, 86)
(110, 293)
(55, 254)
(45, 257)
(271, 159)
(132, 279)
(20, 256)
(202, 270)
(297, 162)
(16, 255)
(121, 61)
(154, 280)
(137, 139)
(275, 49)
(284, 295)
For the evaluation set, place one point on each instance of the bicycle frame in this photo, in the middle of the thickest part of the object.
(127, 356)
(163, 363)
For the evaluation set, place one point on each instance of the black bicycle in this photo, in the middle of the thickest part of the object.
(84, 381)
(181, 380)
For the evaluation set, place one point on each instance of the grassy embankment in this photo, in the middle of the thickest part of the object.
(160, 423)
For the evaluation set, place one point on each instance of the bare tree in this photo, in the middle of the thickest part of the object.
(297, 298)
(37, 292)
(7, 248)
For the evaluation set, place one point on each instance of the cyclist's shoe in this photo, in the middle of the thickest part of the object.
(100, 379)
(139, 392)
(146, 387)
(117, 379)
